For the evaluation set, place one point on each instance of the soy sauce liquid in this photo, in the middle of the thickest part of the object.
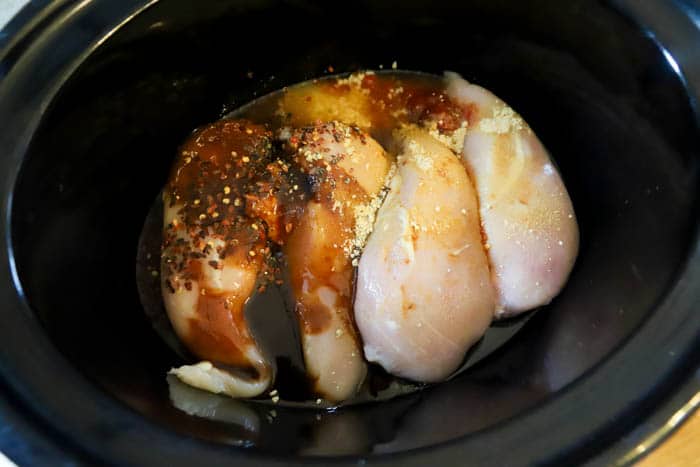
(395, 98)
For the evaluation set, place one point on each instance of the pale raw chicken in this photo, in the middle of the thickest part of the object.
(347, 169)
(526, 213)
(424, 295)
(212, 254)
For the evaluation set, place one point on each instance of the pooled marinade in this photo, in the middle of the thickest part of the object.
(400, 212)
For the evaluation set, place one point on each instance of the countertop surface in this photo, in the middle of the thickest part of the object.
(681, 449)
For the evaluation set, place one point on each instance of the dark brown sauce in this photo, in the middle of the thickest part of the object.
(221, 161)
(233, 174)
(213, 337)
(418, 101)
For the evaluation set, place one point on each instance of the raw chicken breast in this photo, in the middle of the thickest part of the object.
(212, 254)
(347, 169)
(526, 213)
(424, 295)
(205, 306)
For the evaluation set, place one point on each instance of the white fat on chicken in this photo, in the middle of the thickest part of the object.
(526, 213)
(424, 295)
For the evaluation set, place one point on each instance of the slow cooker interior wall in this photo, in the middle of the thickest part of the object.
(598, 92)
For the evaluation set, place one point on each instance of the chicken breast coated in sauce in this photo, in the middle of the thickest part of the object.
(214, 252)
(347, 169)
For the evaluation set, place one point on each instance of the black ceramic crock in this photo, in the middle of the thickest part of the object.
(95, 97)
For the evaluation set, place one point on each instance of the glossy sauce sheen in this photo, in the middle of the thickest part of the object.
(238, 181)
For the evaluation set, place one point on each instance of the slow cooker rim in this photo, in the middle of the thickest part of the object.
(24, 385)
